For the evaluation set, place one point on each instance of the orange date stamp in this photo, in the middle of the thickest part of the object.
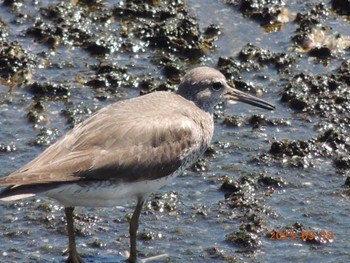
(305, 235)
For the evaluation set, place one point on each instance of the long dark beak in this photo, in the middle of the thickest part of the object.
(234, 94)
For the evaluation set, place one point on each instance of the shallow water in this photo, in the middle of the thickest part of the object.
(32, 230)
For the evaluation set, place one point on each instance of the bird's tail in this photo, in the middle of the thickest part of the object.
(16, 192)
(12, 193)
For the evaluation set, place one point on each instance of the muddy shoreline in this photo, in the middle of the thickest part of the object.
(285, 172)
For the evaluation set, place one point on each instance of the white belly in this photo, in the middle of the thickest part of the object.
(104, 193)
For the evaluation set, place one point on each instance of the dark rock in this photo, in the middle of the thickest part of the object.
(15, 63)
(102, 45)
(75, 113)
(212, 31)
(341, 6)
(3, 31)
(315, 36)
(252, 58)
(46, 137)
(110, 77)
(269, 181)
(49, 89)
(317, 95)
(233, 121)
(347, 181)
(342, 162)
(244, 239)
(264, 56)
(320, 52)
(164, 26)
(257, 121)
(266, 12)
(7, 148)
(163, 202)
(230, 185)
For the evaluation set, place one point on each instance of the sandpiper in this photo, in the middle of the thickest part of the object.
(127, 150)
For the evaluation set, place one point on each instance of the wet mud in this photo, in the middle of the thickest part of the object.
(266, 177)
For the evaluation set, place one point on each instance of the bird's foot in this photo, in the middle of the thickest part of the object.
(131, 260)
(157, 258)
(128, 257)
(74, 258)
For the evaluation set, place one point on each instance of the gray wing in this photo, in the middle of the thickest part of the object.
(108, 146)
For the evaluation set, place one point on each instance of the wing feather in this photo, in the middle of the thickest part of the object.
(115, 145)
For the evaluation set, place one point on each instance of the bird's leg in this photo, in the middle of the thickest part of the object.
(73, 256)
(134, 224)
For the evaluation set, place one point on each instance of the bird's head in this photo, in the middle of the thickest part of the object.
(206, 87)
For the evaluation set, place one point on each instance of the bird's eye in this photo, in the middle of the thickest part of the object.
(217, 85)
